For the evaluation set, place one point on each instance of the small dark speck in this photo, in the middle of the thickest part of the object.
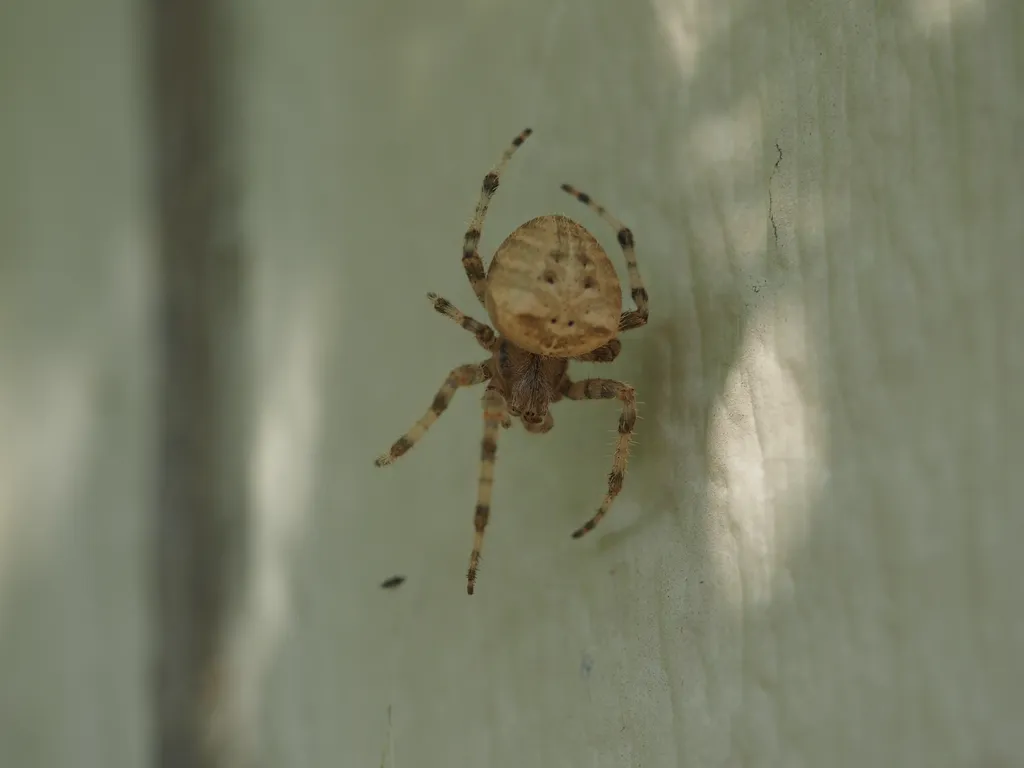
(586, 664)
(702, 581)
(393, 583)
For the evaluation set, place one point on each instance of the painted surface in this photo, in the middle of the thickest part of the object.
(815, 557)
(74, 403)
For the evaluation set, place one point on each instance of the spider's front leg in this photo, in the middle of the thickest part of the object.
(608, 389)
(495, 413)
(463, 376)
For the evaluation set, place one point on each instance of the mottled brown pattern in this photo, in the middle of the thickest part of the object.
(552, 290)
(554, 296)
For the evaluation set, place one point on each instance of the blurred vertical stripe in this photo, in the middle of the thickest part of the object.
(201, 345)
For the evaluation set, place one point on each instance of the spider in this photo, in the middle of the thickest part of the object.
(553, 296)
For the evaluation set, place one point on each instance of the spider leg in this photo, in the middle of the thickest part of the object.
(463, 376)
(632, 318)
(603, 354)
(471, 261)
(484, 333)
(607, 389)
(495, 412)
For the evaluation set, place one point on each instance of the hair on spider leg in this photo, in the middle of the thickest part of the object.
(473, 574)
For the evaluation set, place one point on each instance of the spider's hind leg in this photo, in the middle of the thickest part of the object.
(633, 318)
(471, 261)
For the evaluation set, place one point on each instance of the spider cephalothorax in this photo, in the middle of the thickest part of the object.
(554, 296)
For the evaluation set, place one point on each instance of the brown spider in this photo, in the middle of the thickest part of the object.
(554, 296)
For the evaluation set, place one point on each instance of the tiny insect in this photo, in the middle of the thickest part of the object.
(553, 295)
(392, 582)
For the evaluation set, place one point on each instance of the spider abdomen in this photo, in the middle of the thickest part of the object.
(552, 290)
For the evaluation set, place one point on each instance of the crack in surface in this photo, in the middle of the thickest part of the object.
(771, 210)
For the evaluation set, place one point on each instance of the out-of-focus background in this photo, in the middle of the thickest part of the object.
(218, 223)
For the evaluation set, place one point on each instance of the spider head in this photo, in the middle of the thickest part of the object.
(532, 412)
(536, 422)
(533, 415)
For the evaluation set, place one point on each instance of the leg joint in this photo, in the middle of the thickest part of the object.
(488, 449)
(480, 516)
